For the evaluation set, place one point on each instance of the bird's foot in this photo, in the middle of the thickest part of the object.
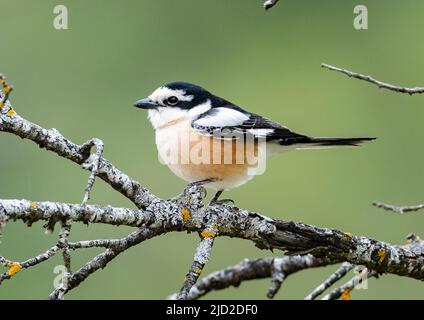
(216, 201)
(194, 192)
(221, 202)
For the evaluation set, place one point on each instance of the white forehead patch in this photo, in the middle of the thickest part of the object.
(162, 93)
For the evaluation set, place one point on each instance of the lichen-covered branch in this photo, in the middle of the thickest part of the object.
(53, 140)
(266, 233)
(92, 164)
(376, 82)
(63, 243)
(398, 209)
(253, 270)
(32, 211)
(154, 216)
(114, 248)
(336, 276)
(14, 267)
(201, 257)
(344, 291)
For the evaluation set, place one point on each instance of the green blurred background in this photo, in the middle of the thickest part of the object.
(84, 80)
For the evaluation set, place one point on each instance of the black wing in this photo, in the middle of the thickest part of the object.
(231, 121)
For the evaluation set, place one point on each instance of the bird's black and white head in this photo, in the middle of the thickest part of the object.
(174, 101)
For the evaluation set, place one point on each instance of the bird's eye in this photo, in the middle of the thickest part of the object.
(172, 101)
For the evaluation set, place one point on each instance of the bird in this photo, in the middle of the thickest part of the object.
(208, 141)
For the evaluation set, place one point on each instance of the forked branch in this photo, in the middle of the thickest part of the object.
(312, 246)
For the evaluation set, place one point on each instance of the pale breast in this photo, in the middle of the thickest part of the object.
(193, 156)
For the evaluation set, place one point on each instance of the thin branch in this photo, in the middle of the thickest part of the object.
(336, 276)
(101, 260)
(252, 270)
(378, 83)
(414, 244)
(31, 211)
(282, 267)
(278, 275)
(63, 243)
(201, 257)
(398, 209)
(344, 290)
(26, 264)
(5, 92)
(53, 140)
(92, 164)
(98, 243)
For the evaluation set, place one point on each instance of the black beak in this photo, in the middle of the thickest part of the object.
(146, 104)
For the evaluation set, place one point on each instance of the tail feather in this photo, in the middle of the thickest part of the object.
(329, 142)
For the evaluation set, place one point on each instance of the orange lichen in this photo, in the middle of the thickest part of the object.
(1, 105)
(33, 205)
(13, 269)
(381, 254)
(346, 294)
(208, 234)
(7, 89)
(11, 112)
(198, 270)
(185, 213)
(349, 234)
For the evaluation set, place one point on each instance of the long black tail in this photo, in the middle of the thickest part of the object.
(328, 142)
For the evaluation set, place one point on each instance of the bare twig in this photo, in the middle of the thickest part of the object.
(98, 243)
(26, 264)
(344, 290)
(101, 260)
(283, 267)
(5, 92)
(63, 243)
(92, 164)
(201, 257)
(398, 209)
(277, 277)
(12, 269)
(31, 211)
(251, 270)
(378, 83)
(336, 276)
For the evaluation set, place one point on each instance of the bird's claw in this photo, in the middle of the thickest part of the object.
(187, 196)
(221, 202)
(195, 189)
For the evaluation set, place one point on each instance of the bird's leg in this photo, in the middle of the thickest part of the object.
(185, 195)
(216, 196)
(215, 200)
(199, 185)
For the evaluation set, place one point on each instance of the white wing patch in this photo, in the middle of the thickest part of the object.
(200, 109)
(222, 117)
(260, 132)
